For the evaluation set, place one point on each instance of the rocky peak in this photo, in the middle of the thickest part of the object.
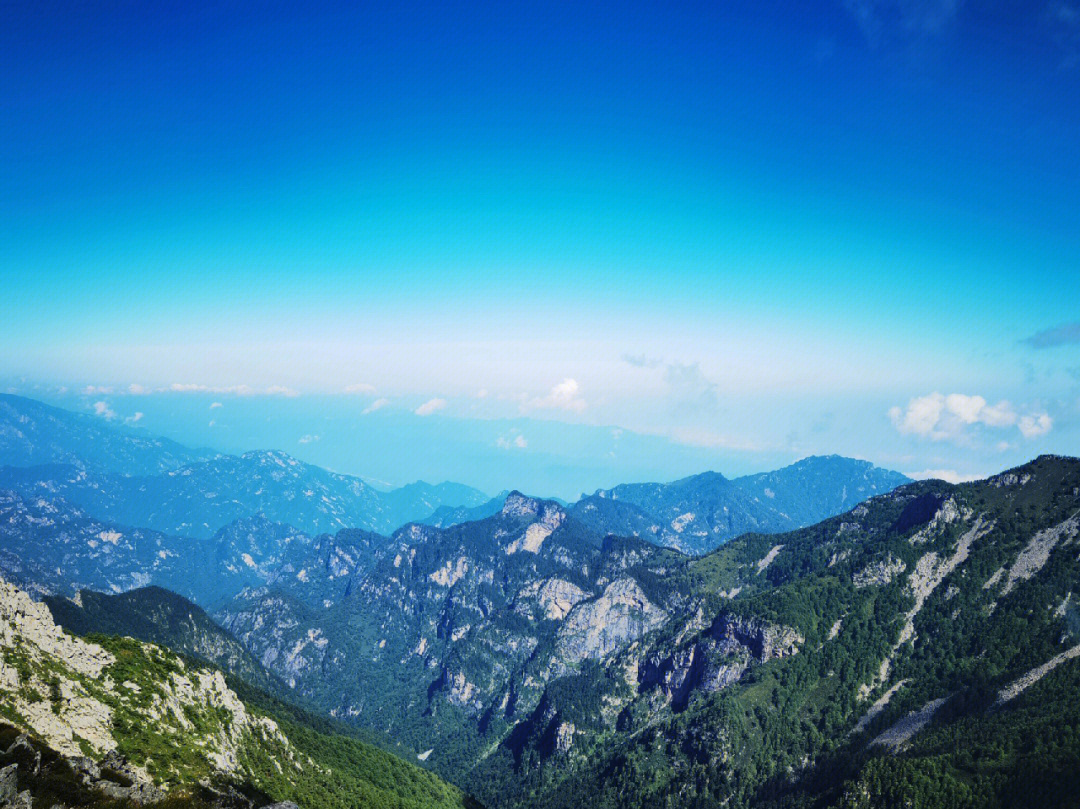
(519, 505)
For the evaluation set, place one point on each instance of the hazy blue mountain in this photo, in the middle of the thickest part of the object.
(446, 516)
(698, 513)
(34, 434)
(420, 499)
(198, 499)
(116, 475)
(51, 546)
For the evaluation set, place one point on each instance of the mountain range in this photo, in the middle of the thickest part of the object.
(698, 513)
(828, 634)
(536, 659)
(56, 454)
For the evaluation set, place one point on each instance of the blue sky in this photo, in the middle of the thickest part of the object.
(732, 234)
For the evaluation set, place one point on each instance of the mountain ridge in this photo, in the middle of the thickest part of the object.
(533, 657)
(118, 475)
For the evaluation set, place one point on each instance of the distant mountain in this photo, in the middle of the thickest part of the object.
(156, 615)
(112, 721)
(199, 499)
(152, 483)
(910, 650)
(35, 434)
(420, 498)
(446, 516)
(49, 546)
(698, 513)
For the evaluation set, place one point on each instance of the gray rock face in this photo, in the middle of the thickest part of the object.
(554, 597)
(594, 629)
(9, 783)
(697, 667)
(765, 641)
(879, 573)
(82, 697)
(717, 659)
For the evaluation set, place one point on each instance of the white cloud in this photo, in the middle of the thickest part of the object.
(563, 396)
(921, 416)
(136, 390)
(948, 475)
(938, 417)
(516, 442)
(1035, 424)
(307, 439)
(132, 419)
(966, 408)
(999, 415)
(482, 393)
(360, 387)
(92, 390)
(212, 422)
(215, 405)
(430, 406)
(281, 390)
(378, 404)
(691, 390)
(102, 409)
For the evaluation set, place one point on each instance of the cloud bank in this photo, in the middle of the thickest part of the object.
(940, 417)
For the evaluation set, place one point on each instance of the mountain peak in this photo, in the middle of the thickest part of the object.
(271, 457)
(523, 505)
(520, 505)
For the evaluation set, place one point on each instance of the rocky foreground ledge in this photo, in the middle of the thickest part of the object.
(85, 722)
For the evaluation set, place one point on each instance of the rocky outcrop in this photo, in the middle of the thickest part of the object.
(769, 558)
(594, 629)
(717, 658)
(879, 573)
(549, 517)
(24, 621)
(931, 570)
(1037, 551)
(704, 666)
(1021, 684)
(79, 699)
(555, 596)
(765, 641)
(898, 735)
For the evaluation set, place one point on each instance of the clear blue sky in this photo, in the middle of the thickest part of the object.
(740, 232)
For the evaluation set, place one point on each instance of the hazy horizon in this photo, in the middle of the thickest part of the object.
(552, 247)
